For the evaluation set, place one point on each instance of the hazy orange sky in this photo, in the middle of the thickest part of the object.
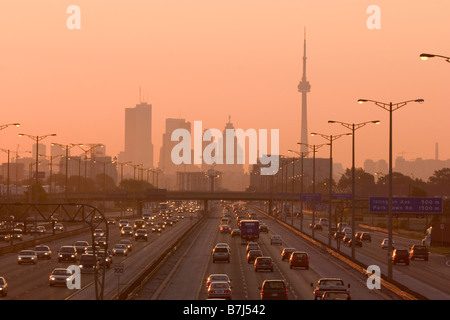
(208, 59)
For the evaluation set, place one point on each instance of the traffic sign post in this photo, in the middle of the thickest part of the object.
(119, 269)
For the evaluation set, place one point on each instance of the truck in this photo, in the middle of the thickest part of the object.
(249, 230)
(164, 208)
(437, 235)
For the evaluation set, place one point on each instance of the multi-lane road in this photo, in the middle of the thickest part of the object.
(183, 276)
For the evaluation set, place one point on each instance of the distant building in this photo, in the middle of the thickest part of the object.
(197, 181)
(419, 168)
(138, 135)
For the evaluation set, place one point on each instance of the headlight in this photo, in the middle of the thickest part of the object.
(72, 256)
(52, 278)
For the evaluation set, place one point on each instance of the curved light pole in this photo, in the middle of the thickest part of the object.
(353, 127)
(7, 176)
(4, 126)
(86, 150)
(426, 56)
(314, 148)
(37, 139)
(390, 107)
(330, 138)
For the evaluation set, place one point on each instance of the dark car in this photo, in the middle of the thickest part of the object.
(358, 242)
(338, 235)
(273, 290)
(366, 236)
(88, 263)
(299, 259)
(141, 234)
(418, 252)
(67, 253)
(253, 254)
(221, 254)
(235, 233)
(400, 256)
(263, 228)
(127, 231)
(43, 252)
(81, 246)
(286, 253)
(105, 258)
(263, 263)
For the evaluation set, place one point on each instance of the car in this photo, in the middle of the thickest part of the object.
(338, 235)
(105, 258)
(43, 252)
(366, 236)
(58, 227)
(276, 239)
(323, 222)
(235, 233)
(5, 235)
(128, 243)
(347, 237)
(318, 226)
(141, 234)
(224, 228)
(88, 263)
(123, 223)
(358, 242)
(127, 231)
(59, 276)
(138, 224)
(156, 228)
(418, 252)
(67, 253)
(221, 254)
(120, 249)
(385, 244)
(336, 295)
(299, 259)
(17, 234)
(100, 242)
(217, 277)
(252, 246)
(253, 254)
(99, 233)
(328, 284)
(263, 228)
(27, 256)
(286, 253)
(400, 256)
(223, 245)
(3, 287)
(81, 246)
(111, 221)
(263, 263)
(41, 229)
(219, 290)
(273, 289)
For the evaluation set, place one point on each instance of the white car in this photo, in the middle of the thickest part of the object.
(217, 277)
(276, 239)
(27, 256)
(219, 290)
(385, 244)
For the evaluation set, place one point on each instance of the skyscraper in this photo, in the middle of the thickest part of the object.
(138, 135)
(304, 87)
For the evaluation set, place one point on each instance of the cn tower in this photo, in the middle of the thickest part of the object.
(304, 87)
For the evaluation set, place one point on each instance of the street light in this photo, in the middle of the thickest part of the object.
(37, 139)
(314, 148)
(330, 138)
(353, 127)
(391, 107)
(426, 56)
(4, 126)
(91, 147)
(67, 147)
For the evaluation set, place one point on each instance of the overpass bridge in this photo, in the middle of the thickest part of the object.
(162, 195)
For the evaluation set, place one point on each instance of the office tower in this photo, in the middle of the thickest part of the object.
(304, 87)
(165, 160)
(138, 135)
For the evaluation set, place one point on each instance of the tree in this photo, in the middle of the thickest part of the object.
(364, 182)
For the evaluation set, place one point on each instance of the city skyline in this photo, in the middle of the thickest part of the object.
(76, 83)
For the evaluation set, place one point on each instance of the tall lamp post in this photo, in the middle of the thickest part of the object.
(353, 127)
(390, 107)
(7, 176)
(67, 147)
(37, 139)
(314, 148)
(330, 138)
(86, 151)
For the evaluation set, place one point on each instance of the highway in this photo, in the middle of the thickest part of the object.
(183, 274)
